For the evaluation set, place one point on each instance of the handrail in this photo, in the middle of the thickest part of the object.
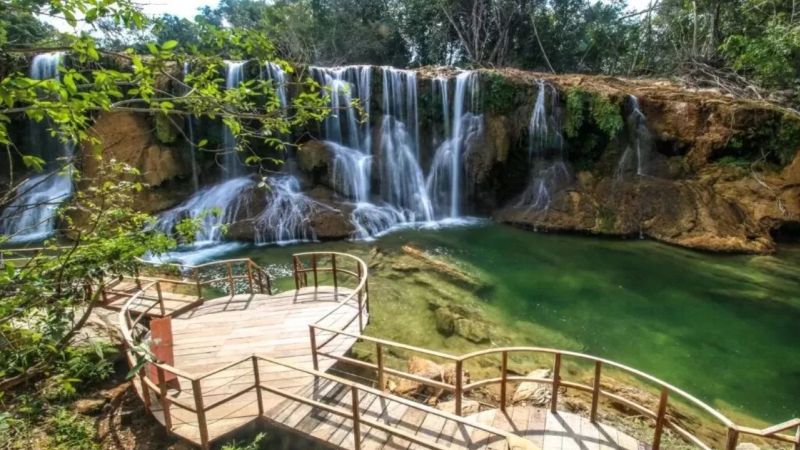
(130, 317)
(459, 388)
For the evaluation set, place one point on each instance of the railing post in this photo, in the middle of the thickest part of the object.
(160, 299)
(360, 300)
(260, 276)
(257, 381)
(145, 388)
(269, 283)
(556, 383)
(797, 439)
(314, 268)
(356, 418)
(381, 380)
(230, 279)
(296, 275)
(503, 379)
(333, 268)
(360, 315)
(459, 385)
(595, 390)
(313, 338)
(196, 276)
(250, 276)
(201, 414)
(162, 386)
(733, 439)
(660, 419)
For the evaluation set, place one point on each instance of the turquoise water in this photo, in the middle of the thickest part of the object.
(722, 327)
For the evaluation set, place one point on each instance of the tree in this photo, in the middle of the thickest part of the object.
(48, 298)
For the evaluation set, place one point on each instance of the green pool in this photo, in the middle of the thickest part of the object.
(725, 328)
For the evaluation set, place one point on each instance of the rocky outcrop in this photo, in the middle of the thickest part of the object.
(725, 175)
(328, 220)
(128, 138)
(425, 368)
(721, 208)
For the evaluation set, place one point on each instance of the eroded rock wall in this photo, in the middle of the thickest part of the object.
(725, 173)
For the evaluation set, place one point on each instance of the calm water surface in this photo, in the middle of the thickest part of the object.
(725, 328)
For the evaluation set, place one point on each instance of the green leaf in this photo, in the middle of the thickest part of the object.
(33, 162)
(169, 45)
(202, 143)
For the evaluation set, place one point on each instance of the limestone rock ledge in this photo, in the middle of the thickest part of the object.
(721, 208)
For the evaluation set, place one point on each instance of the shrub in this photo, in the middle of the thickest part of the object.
(69, 431)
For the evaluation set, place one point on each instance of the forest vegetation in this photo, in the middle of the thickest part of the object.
(120, 59)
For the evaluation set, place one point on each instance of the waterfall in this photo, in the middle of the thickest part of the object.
(32, 215)
(343, 126)
(347, 136)
(215, 207)
(351, 172)
(402, 181)
(285, 220)
(637, 154)
(444, 181)
(190, 134)
(231, 164)
(350, 140)
(549, 172)
(277, 75)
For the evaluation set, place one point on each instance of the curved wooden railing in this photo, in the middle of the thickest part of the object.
(459, 388)
(132, 322)
(315, 264)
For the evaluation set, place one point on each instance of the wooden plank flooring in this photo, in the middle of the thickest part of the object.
(229, 329)
(548, 431)
(121, 292)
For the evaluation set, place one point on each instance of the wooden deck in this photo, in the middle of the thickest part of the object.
(229, 329)
(117, 295)
(225, 330)
(538, 426)
(262, 357)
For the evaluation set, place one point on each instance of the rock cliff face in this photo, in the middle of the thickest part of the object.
(722, 174)
(130, 138)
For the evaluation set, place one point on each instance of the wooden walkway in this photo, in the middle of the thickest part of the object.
(540, 428)
(262, 358)
(118, 294)
(225, 330)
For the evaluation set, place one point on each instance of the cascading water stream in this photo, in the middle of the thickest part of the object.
(216, 206)
(190, 124)
(444, 182)
(231, 164)
(275, 73)
(350, 141)
(402, 181)
(32, 215)
(549, 171)
(343, 126)
(638, 151)
(286, 218)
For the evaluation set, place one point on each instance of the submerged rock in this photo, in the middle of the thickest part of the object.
(472, 330)
(452, 272)
(533, 393)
